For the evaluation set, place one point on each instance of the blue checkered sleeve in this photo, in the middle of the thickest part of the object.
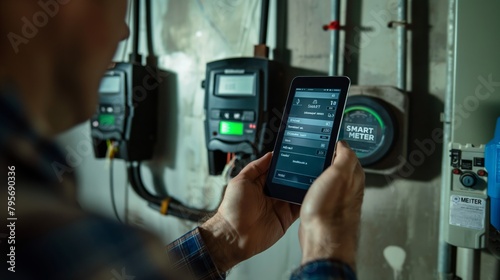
(189, 254)
(324, 270)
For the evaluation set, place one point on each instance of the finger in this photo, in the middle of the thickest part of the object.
(345, 158)
(256, 168)
(343, 167)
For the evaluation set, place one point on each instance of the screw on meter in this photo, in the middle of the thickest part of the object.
(368, 127)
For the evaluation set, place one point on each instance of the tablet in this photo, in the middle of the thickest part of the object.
(307, 136)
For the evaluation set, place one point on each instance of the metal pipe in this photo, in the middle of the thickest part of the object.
(334, 39)
(445, 265)
(402, 46)
(468, 263)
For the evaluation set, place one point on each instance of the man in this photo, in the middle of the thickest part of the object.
(53, 54)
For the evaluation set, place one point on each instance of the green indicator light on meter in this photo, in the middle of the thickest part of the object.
(366, 109)
(231, 128)
(106, 119)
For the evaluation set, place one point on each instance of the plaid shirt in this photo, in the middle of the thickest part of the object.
(55, 239)
(190, 254)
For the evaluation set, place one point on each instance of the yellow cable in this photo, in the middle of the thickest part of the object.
(164, 205)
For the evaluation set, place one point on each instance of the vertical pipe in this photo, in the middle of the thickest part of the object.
(264, 16)
(402, 46)
(149, 28)
(468, 263)
(496, 270)
(281, 52)
(137, 12)
(334, 39)
(444, 265)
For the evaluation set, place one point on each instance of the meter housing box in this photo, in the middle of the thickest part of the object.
(127, 111)
(467, 203)
(244, 101)
(388, 109)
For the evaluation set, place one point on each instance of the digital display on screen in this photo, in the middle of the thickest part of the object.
(110, 85)
(231, 128)
(236, 85)
(106, 119)
(309, 127)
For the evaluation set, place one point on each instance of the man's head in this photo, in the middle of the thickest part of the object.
(55, 52)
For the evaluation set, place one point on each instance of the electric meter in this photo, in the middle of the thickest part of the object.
(240, 96)
(369, 128)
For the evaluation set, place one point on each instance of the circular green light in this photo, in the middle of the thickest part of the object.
(369, 110)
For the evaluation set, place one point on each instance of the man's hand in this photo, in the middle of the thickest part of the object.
(247, 221)
(331, 210)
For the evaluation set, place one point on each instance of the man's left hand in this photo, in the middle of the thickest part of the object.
(247, 221)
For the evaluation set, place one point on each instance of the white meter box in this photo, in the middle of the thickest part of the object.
(467, 202)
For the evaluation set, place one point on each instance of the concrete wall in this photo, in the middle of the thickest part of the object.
(399, 212)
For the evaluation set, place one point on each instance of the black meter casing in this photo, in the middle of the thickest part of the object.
(240, 95)
(369, 127)
(127, 111)
(375, 125)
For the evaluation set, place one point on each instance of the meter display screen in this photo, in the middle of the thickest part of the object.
(110, 85)
(364, 129)
(368, 127)
(238, 85)
(106, 120)
(231, 128)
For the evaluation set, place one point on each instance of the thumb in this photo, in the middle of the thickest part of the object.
(256, 168)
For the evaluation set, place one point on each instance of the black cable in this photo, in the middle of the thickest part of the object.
(135, 56)
(175, 207)
(111, 190)
(134, 176)
(179, 210)
(137, 11)
(263, 22)
(149, 29)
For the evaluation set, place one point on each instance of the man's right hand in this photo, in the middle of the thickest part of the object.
(331, 210)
